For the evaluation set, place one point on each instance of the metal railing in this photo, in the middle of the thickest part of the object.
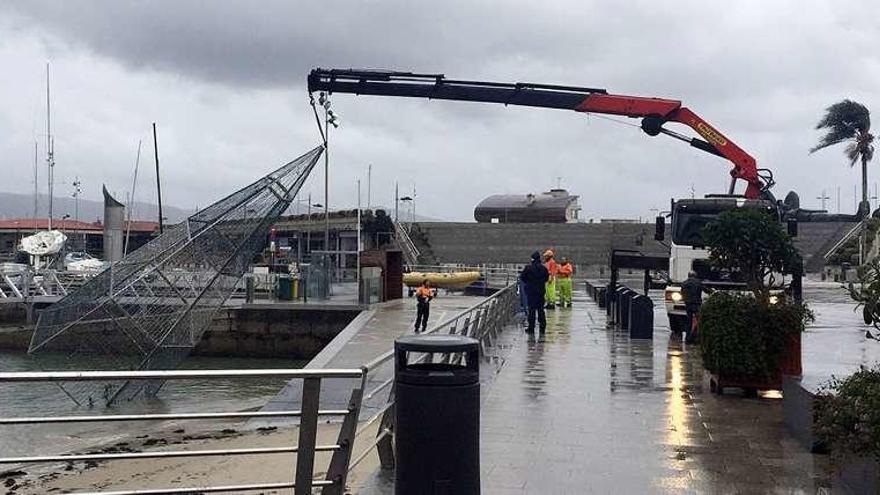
(45, 282)
(482, 321)
(305, 449)
(410, 251)
(856, 230)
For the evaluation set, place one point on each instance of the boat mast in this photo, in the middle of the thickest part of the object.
(50, 152)
(158, 184)
(36, 184)
(134, 181)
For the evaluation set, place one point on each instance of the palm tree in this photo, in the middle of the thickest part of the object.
(849, 121)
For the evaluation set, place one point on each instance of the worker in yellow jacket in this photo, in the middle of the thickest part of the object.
(563, 282)
(550, 286)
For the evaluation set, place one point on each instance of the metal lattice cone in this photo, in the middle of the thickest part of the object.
(148, 311)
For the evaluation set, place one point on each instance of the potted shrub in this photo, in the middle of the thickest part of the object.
(751, 338)
(847, 421)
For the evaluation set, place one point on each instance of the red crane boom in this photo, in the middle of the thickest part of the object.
(654, 112)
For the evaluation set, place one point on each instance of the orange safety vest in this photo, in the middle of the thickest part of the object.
(424, 292)
(565, 270)
(552, 267)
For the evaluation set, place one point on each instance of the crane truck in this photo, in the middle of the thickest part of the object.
(688, 215)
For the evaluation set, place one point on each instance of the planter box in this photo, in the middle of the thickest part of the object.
(789, 366)
(858, 475)
(717, 383)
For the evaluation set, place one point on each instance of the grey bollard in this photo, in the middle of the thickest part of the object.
(249, 289)
(641, 320)
(437, 417)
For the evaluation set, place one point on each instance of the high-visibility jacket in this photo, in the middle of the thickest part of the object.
(565, 270)
(424, 294)
(552, 267)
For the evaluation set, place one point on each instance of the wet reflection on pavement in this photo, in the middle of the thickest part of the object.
(585, 409)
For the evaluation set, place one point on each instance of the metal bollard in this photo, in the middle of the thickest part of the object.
(437, 417)
(249, 290)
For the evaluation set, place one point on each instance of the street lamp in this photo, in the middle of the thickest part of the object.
(77, 190)
(330, 118)
(409, 199)
(309, 228)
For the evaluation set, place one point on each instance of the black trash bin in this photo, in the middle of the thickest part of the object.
(437, 412)
(600, 297)
(641, 319)
(610, 294)
(617, 316)
(625, 301)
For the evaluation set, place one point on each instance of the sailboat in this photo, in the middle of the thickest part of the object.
(43, 245)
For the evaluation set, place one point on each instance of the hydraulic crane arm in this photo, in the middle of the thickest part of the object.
(654, 112)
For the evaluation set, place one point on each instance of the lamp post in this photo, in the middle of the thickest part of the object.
(309, 231)
(358, 249)
(411, 201)
(330, 118)
(77, 190)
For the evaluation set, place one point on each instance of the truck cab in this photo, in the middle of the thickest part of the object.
(687, 251)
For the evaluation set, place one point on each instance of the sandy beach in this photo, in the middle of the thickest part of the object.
(187, 472)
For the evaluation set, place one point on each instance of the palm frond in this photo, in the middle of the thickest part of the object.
(843, 120)
(852, 152)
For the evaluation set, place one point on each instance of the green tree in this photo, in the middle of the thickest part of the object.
(753, 243)
(849, 121)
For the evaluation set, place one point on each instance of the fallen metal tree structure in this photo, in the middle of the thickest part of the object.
(148, 311)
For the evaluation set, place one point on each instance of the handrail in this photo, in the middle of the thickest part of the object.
(846, 238)
(305, 449)
(81, 376)
(384, 357)
(406, 242)
(482, 321)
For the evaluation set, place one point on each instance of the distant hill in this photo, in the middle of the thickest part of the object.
(22, 206)
(14, 205)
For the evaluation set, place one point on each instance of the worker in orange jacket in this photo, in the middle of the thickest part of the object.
(563, 282)
(550, 286)
(424, 294)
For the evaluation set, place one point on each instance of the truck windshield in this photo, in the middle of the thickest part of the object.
(687, 227)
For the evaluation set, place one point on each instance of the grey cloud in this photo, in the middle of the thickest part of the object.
(762, 72)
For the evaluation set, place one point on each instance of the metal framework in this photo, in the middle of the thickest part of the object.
(147, 311)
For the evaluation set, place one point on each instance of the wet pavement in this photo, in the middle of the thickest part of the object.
(585, 409)
(370, 334)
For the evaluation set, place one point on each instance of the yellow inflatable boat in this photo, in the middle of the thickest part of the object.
(447, 280)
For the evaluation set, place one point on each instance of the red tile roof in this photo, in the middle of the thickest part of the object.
(29, 224)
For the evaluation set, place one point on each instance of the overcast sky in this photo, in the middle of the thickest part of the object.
(225, 82)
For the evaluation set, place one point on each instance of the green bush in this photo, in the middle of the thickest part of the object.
(743, 339)
(847, 414)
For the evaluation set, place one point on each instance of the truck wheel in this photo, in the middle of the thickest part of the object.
(677, 323)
